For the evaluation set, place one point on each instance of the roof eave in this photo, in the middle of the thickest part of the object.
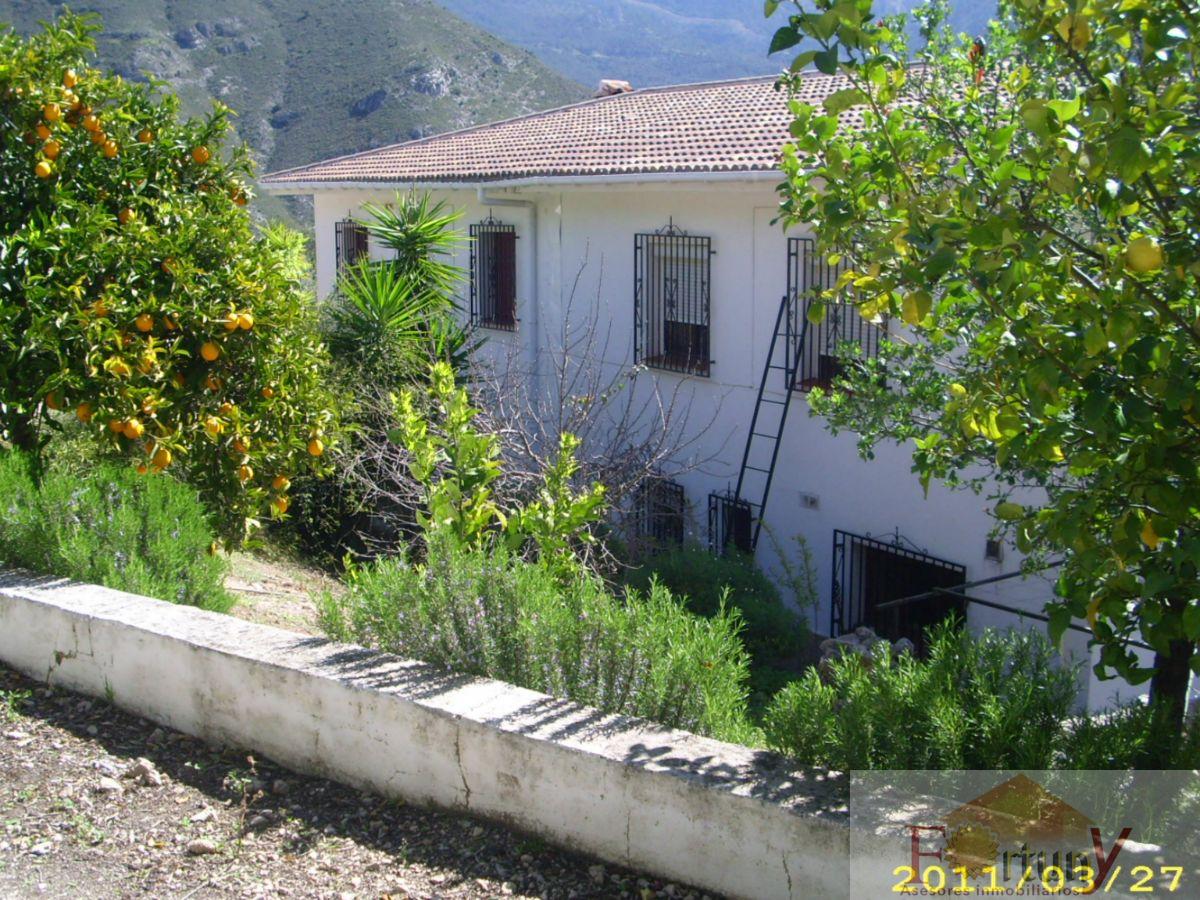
(552, 181)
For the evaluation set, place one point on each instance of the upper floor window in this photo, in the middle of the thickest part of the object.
(672, 300)
(494, 274)
(350, 243)
(824, 352)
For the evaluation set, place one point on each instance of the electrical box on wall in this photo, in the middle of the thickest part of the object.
(994, 550)
(810, 501)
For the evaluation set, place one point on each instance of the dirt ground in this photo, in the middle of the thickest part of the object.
(97, 803)
(273, 587)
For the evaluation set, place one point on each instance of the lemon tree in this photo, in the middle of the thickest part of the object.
(1027, 204)
(134, 293)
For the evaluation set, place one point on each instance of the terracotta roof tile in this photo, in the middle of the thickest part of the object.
(728, 126)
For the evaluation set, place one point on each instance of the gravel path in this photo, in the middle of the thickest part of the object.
(96, 803)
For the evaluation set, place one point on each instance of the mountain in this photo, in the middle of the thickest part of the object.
(650, 42)
(312, 79)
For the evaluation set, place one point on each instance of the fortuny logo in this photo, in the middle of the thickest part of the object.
(1017, 839)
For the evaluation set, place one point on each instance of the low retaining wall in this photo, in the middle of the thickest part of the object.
(716, 815)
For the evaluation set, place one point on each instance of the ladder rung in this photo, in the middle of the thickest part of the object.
(774, 402)
(757, 469)
(763, 434)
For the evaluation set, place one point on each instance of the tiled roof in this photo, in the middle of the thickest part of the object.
(727, 126)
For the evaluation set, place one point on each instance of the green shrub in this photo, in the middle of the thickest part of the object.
(142, 534)
(1129, 737)
(705, 582)
(997, 700)
(488, 612)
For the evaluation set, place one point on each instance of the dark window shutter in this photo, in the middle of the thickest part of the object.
(505, 250)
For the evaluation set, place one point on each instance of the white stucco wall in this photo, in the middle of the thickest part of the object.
(585, 243)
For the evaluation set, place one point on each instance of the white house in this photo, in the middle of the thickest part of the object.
(659, 206)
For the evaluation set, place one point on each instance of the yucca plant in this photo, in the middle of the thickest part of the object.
(424, 237)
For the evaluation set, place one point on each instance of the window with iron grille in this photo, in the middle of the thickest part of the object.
(350, 243)
(730, 523)
(672, 294)
(658, 511)
(824, 353)
(494, 274)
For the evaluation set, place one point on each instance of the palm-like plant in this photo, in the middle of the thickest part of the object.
(424, 238)
(390, 319)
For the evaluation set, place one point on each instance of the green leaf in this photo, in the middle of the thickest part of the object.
(784, 37)
(1066, 110)
(769, 7)
(1191, 621)
(827, 61)
(844, 99)
(1128, 154)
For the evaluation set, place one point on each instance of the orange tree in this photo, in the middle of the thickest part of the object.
(134, 294)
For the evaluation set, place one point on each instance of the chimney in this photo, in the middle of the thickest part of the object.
(610, 86)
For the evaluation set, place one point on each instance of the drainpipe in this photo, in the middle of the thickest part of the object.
(529, 324)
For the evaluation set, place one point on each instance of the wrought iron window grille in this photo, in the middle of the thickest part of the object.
(351, 243)
(493, 268)
(824, 354)
(672, 300)
(658, 513)
(730, 523)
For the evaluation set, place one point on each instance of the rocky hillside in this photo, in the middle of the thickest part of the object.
(659, 41)
(311, 79)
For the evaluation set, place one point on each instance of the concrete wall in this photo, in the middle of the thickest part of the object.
(722, 817)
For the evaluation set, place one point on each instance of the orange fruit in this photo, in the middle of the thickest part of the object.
(144, 322)
(281, 482)
(210, 351)
(52, 401)
(241, 445)
(99, 137)
(213, 426)
(116, 425)
(121, 369)
(145, 136)
(316, 447)
(239, 198)
(161, 458)
(83, 412)
(75, 103)
(100, 308)
(200, 155)
(91, 123)
(231, 322)
(134, 429)
(70, 78)
(52, 149)
(169, 323)
(179, 380)
(43, 131)
(146, 364)
(125, 216)
(244, 473)
(52, 112)
(268, 392)
(279, 506)
(226, 408)
(213, 383)
(141, 469)
(43, 169)
(111, 149)
(245, 321)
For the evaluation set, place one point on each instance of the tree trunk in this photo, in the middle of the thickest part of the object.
(1169, 686)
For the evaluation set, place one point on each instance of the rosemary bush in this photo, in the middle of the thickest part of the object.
(997, 700)
(143, 534)
(488, 612)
